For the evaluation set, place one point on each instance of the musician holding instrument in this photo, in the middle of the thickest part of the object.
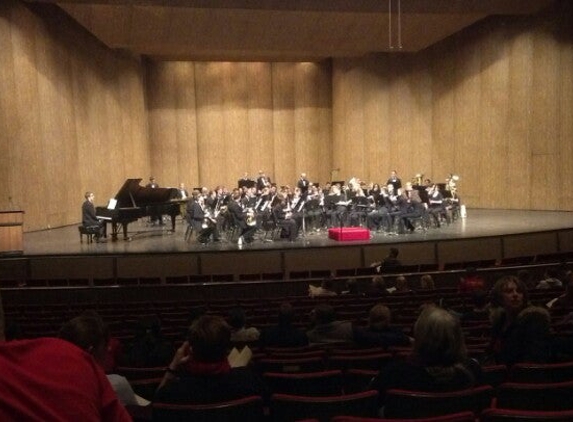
(394, 180)
(201, 219)
(262, 181)
(283, 215)
(243, 219)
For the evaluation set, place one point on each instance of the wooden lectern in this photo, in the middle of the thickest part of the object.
(11, 229)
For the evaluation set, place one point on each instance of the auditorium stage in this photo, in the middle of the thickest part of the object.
(479, 223)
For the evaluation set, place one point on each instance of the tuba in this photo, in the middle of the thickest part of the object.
(251, 219)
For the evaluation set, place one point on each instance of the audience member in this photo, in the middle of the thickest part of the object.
(379, 332)
(89, 333)
(402, 285)
(389, 263)
(550, 281)
(377, 286)
(326, 288)
(148, 348)
(565, 301)
(200, 371)
(352, 287)
(326, 329)
(508, 298)
(527, 278)
(479, 307)
(284, 333)
(471, 281)
(439, 360)
(427, 282)
(49, 379)
(240, 333)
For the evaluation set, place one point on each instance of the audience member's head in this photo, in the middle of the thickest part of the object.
(210, 338)
(89, 333)
(379, 317)
(427, 282)
(352, 286)
(286, 314)
(438, 338)
(402, 284)
(323, 314)
(378, 284)
(526, 277)
(394, 252)
(510, 294)
(237, 318)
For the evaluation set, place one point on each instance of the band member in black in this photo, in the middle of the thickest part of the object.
(436, 205)
(202, 220)
(245, 221)
(283, 217)
(89, 219)
(303, 184)
(155, 218)
(394, 180)
(262, 181)
(411, 207)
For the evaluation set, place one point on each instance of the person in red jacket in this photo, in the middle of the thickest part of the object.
(49, 379)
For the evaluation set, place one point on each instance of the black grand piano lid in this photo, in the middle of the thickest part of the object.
(132, 194)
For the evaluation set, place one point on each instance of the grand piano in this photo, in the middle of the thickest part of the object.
(135, 201)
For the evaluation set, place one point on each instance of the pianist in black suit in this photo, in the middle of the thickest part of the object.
(154, 218)
(89, 219)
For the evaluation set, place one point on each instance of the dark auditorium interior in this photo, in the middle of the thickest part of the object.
(103, 95)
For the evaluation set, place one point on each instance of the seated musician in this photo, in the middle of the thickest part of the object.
(379, 216)
(89, 219)
(392, 200)
(436, 205)
(412, 207)
(245, 222)
(336, 205)
(284, 219)
(201, 219)
(360, 208)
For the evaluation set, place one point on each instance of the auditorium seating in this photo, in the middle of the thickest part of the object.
(455, 417)
(509, 415)
(538, 396)
(412, 404)
(240, 410)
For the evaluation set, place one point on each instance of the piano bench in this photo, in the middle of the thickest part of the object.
(89, 232)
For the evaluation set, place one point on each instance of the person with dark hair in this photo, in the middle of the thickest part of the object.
(89, 333)
(379, 332)
(527, 278)
(200, 371)
(49, 379)
(89, 218)
(439, 361)
(284, 333)
(565, 301)
(389, 263)
(479, 307)
(508, 298)
(237, 320)
(326, 328)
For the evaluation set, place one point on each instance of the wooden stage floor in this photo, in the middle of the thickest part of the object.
(145, 239)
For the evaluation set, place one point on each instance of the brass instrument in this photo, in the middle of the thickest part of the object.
(251, 219)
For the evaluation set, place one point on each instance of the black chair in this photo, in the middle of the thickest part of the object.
(287, 408)
(418, 404)
(239, 410)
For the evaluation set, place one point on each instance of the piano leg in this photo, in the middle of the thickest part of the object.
(125, 232)
(114, 229)
(173, 217)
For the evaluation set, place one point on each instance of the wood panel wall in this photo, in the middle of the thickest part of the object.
(492, 103)
(210, 122)
(72, 116)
